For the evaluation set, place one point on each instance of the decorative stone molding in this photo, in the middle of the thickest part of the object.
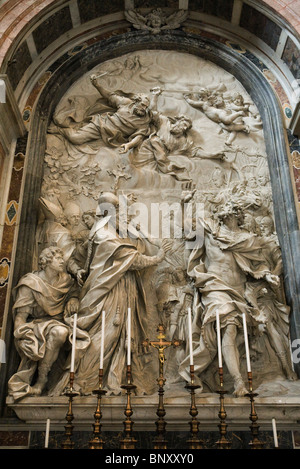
(11, 122)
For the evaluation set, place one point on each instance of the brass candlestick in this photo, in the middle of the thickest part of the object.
(223, 442)
(128, 442)
(68, 443)
(97, 442)
(255, 443)
(193, 441)
(161, 344)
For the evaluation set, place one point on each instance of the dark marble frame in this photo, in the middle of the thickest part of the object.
(275, 136)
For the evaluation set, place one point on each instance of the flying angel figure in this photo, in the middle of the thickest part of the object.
(156, 21)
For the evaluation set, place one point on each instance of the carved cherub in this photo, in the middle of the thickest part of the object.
(156, 21)
(214, 107)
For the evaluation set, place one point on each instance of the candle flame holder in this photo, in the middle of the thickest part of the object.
(223, 442)
(97, 442)
(68, 443)
(255, 443)
(128, 442)
(194, 442)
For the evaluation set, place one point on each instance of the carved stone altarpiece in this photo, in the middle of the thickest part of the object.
(146, 133)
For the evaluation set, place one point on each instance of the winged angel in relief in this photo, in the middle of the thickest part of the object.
(156, 21)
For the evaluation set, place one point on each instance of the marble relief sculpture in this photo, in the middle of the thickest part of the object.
(113, 284)
(43, 322)
(156, 20)
(173, 145)
(223, 267)
(232, 116)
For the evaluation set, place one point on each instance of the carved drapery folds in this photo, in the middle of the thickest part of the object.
(148, 133)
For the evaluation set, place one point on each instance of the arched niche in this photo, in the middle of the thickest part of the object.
(242, 69)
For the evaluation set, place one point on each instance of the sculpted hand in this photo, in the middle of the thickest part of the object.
(124, 148)
(156, 90)
(166, 245)
(71, 307)
(93, 79)
(80, 277)
(188, 194)
(272, 279)
(161, 255)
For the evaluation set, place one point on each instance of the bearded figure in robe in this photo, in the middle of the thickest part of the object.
(221, 269)
(113, 284)
(122, 121)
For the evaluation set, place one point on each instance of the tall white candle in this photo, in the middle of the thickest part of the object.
(190, 336)
(219, 340)
(102, 340)
(275, 433)
(246, 343)
(129, 337)
(47, 433)
(73, 343)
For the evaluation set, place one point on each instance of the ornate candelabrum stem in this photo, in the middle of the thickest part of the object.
(68, 443)
(223, 442)
(255, 443)
(160, 441)
(194, 442)
(161, 344)
(97, 442)
(128, 442)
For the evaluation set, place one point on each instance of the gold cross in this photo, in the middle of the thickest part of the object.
(161, 344)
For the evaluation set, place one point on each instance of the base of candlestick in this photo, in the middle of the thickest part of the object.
(195, 443)
(160, 444)
(256, 444)
(96, 443)
(224, 444)
(128, 443)
(68, 445)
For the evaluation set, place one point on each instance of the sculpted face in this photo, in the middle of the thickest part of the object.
(238, 100)
(217, 101)
(266, 226)
(180, 127)
(58, 263)
(88, 220)
(141, 106)
(74, 219)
